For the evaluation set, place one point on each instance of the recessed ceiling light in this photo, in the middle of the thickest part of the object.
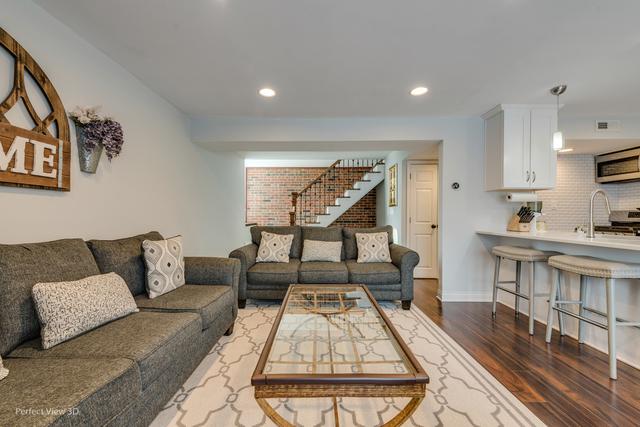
(267, 92)
(565, 150)
(420, 90)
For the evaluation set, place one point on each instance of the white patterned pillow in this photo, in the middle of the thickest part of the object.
(165, 265)
(3, 371)
(373, 247)
(316, 250)
(68, 309)
(274, 247)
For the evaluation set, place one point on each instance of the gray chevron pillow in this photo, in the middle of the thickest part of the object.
(373, 247)
(165, 265)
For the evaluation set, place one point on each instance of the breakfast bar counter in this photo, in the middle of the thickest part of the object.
(629, 243)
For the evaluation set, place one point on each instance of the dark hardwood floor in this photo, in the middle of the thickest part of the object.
(563, 383)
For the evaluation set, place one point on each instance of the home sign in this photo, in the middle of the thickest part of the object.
(35, 150)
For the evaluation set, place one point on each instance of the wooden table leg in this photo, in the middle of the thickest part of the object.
(272, 414)
(405, 414)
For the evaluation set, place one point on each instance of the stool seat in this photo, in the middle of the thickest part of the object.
(595, 267)
(517, 253)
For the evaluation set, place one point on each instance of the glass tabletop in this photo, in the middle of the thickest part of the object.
(334, 330)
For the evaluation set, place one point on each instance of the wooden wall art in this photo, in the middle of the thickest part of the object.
(393, 185)
(38, 156)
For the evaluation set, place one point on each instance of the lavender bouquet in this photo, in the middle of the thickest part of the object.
(98, 130)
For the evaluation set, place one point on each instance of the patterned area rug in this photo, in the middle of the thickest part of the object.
(461, 392)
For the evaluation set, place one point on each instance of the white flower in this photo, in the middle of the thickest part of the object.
(84, 120)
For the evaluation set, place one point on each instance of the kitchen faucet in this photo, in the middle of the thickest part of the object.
(591, 232)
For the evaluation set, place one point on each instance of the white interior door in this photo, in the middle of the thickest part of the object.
(423, 218)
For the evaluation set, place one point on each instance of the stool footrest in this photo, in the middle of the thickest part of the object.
(619, 321)
(577, 316)
(507, 282)
(521, 295)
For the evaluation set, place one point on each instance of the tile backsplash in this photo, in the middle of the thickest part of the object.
(567, 205)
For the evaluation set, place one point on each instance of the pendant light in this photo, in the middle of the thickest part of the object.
(558, 138)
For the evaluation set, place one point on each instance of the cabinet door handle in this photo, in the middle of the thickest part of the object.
(528, 176)
(534, 177)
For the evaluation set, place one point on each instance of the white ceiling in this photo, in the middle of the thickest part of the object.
(337, 58)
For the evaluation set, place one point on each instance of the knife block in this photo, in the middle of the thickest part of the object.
(516, 225)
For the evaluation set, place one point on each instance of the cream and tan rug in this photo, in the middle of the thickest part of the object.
(461, 392)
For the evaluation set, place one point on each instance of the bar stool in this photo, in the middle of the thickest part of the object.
(519, 255)
(598, 268)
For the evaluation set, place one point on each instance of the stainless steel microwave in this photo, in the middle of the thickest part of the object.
(618, 166)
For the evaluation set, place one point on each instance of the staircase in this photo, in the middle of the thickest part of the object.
(334, 191)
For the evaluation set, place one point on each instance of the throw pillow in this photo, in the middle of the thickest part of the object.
(165, 265)
(373, 247)
(274, 247)
(316, 250)
(68, 309)
(3, 371)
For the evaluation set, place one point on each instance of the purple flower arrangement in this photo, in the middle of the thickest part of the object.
(99, 130)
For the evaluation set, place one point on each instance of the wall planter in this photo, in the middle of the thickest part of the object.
(94, 134)
(88, 154)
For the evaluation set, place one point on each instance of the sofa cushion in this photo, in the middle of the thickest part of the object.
(349, 235)
(296, 246)
(373, 273)
(124, 256)
(83, 391)
(153, 340)
(208, 301)
(323, 272)
(271, 273)
(324, 234)
(24, 265)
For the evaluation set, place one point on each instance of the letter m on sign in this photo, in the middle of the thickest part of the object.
(31, 159)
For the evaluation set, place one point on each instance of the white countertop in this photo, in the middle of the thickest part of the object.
(630, 243)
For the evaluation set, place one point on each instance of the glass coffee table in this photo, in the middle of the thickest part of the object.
(335, 341)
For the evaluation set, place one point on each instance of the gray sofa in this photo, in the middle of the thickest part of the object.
(121, 373)
(386, 281)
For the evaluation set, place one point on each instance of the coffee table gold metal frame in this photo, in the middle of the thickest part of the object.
(410, 384)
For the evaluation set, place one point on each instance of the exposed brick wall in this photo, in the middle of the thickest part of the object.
(268, 191)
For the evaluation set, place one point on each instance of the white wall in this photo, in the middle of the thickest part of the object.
(161, 181)
(466, 263)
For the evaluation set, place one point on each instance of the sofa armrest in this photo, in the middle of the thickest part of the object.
(247, 256)
(213, 271)
(406, 260)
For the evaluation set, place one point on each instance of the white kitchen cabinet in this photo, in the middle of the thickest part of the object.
(518, 150)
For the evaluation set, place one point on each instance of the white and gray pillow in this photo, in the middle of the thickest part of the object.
(165, 265)
(3, 371)
(317, 250)
(274, 247)
(68, 309)
(373, 247)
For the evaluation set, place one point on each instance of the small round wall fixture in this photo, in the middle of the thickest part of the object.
(455, 185)
(418, 91)
(267, 92)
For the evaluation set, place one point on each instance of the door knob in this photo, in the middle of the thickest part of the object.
(434, 226)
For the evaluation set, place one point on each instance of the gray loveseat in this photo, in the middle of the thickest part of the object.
(121, 373)
(386, 281)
